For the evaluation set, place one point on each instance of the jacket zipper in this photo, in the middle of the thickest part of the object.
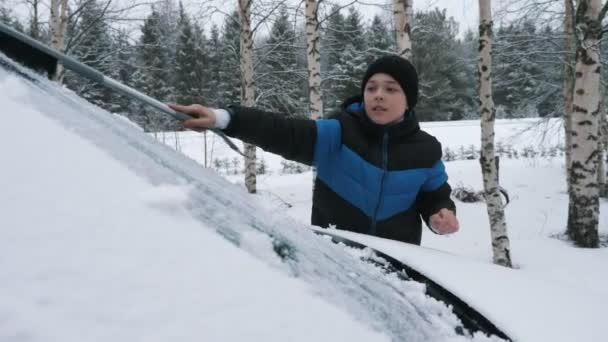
(384, 171)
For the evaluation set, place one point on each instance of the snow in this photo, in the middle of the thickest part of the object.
(526, 291)
(105, 234)
(568, 279)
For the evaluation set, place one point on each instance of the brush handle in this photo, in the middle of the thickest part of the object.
(96, 76)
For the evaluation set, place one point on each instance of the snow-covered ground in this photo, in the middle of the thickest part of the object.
(107, 235)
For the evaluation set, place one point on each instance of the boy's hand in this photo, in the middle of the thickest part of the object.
(444, 222)
(203, 117)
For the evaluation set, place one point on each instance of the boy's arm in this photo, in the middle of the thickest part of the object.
(292, 138)
(435, 194)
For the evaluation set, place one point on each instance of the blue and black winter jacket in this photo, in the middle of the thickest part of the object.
(371, 179)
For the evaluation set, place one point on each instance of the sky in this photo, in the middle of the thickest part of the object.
(465, 12)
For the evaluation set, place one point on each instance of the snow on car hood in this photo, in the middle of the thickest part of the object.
(523, 306)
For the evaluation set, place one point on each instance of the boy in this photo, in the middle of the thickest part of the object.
(377, 172)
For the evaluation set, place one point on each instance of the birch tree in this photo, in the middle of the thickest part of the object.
(403, 15)
(568, 84)
(58, 24)
(584, 194)
(489, 168)
(601, 174)
(313, 60)
(247, 86)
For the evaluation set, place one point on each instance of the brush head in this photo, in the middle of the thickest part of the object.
(25, 54)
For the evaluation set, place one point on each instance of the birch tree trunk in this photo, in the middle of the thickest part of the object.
(584, 197)
(247, 86)
(58, 23)
(568, 85)
(489, 168)
(403, 17)
(314, 60)
(568, 88)
(601, 173)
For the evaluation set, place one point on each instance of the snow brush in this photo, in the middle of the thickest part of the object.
(42, 58)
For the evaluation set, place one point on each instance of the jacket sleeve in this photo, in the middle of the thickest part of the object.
(292, 138)
(435, 193)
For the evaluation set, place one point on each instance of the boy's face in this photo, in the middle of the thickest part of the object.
(385, 101)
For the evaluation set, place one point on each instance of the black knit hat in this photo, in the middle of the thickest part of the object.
(401, 70)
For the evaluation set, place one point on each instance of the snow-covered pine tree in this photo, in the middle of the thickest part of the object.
(379, 40)
(469, 54)
(155, 66)
(528, 69)
(442, 71)
(201, 63)
(333, 43)
(187, 78)
(353, 60)
(90, 42)
(8, 17)
(230, 74)
(213, 70)
(280, 80)
(489, 168)
(126, 72)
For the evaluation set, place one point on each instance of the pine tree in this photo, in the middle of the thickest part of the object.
(155, 70)
(333, 40)
(8, 17)
(440, 67)
(201, 64)
(230, 74)
(353, 61)
(548, 96)
(213, 73)
(187, 77)
(91, 43)
(281, 81)
(528, 70)
(380, 41)
(126, 72)
(469, 47)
